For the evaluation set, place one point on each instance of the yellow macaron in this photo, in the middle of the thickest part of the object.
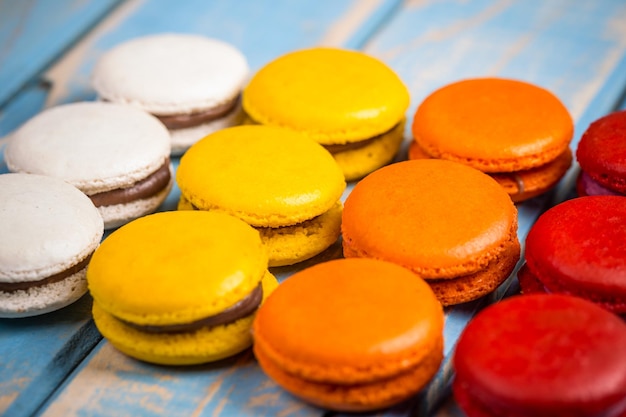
(350, 102)
(190, 293)
(282, 183)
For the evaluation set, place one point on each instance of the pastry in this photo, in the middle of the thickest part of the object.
(48, 232)
(601, 154)
(449, 223)
(577, 248)
(515, 131)
(351, 334)
(542, 355)
(284, 184)
(189, 294)
(351, 103)
(190, 82)
(117, 155)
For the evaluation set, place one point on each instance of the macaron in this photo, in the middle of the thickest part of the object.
(190, 82)
(48, 233)
(450, 224)
(188, 296)
(351, 103)
(601, 154)
(117, 155)
(282, 183)
(542, 355)
(517, 132)
(577, 248)
(350, 334)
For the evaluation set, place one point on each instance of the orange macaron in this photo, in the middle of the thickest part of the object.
(517, 132)
(449, 223)
(351, 334)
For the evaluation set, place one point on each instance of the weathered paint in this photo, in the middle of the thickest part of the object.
(579, 53)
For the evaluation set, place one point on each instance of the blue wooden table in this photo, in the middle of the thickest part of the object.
(59, 365)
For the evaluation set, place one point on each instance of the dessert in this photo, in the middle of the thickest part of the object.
(190, 82)
(48, 232)
(577, 248)
(188, 295)
(117, 155)
(351, 103)
(601, 154)
(515, 131)
(449, 223)
(284, 184)
(351, 334)
(542, 355)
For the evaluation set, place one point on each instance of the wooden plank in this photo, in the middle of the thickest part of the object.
(429, 44)
(37, 354)
(577, 53)
(35, 32)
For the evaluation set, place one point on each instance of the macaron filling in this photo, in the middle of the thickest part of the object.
(350, 146)
(148, 187)
(60, 276)
(523, 184)
(241, 309)
(531, 283)
(588, 186)
(185, 120)
(453, 290)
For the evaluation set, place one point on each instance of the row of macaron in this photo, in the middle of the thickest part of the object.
(354, 334)
(351, 103)
(468, 251)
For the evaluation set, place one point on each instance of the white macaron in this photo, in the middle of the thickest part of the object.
(117, 155)
(48, 231)
(190, 82)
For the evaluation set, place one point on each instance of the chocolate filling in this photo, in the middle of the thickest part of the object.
(241, 309)
(333, 148)
(145, 188)
(180, 121)
(16, 286)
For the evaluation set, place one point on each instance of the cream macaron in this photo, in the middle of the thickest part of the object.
(191, 83)
(117, 155)
(48, 232)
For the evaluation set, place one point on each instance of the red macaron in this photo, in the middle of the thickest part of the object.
(601, 154)
(578, 247)
(542, 355)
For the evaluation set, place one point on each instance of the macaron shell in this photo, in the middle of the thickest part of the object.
(601, 151)
(201, 346)
(46, 226)
(94, 146)
(529, 183)
(116, 215)
(332, 95)
(171, 73)
(493, 124)
(470, 287)
(289, 245)
(267, 176)
(43, 299)
(458, 217)
(568, 357)
(292, 244)
(357, 163)
(578, 247)
(356, 398)
(363, 344)
(520, 185)
(190, 265)
(183, 138)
